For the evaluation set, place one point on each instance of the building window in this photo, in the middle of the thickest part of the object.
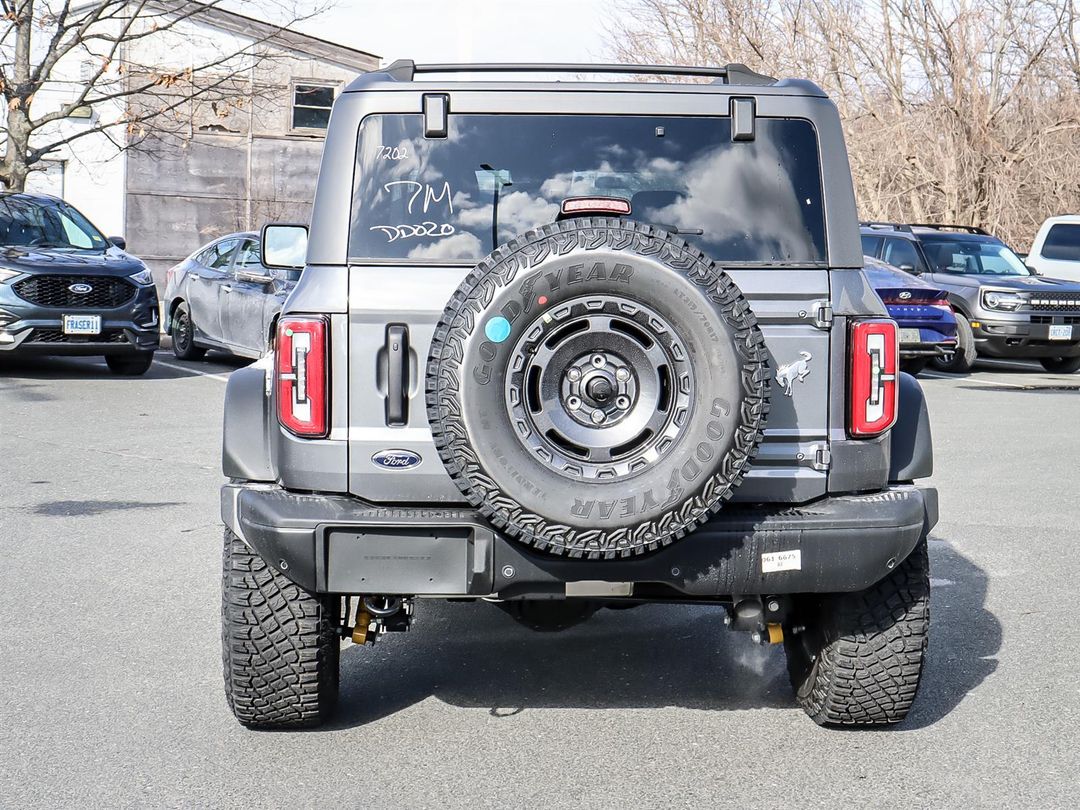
(311, 106)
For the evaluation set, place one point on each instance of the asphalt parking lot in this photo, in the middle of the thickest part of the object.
(110, 669)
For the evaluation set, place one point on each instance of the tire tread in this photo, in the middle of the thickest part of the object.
(874, 646)
(279, 644)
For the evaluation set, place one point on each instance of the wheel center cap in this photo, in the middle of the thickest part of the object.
(600, 389)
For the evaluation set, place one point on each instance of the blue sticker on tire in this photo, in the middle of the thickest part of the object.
(497, 329)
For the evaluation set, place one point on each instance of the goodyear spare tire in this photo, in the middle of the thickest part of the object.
(597, 388)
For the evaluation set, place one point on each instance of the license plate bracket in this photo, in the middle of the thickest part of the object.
(910, 336)
(82, 324)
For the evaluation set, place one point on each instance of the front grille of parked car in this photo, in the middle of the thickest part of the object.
(55, 291)
(1073, 319)
(56, 336)
(1055, 303)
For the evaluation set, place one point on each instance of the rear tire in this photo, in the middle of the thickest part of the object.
(1061, 365)
(183, 335)
(280, 645)
(128, 365)
(963, 359)
(860, 657)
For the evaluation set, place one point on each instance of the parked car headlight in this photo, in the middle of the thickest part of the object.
(1003, 300)
(5, 274)
(144, 276)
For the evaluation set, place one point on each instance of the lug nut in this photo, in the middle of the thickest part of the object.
(574, 374)
(622, 374)
(573, 403)
(622, 403)
(599, 361)
(598, 416)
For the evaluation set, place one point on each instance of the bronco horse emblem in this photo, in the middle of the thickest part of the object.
(794, 372)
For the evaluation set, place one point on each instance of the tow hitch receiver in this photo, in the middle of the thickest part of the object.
(762, 617)
(376, 615)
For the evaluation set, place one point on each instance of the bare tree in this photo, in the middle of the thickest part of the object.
(954, 111)
(132, 66)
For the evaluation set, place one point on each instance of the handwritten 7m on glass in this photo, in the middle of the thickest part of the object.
(426, 195)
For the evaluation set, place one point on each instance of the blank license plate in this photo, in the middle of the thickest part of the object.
(910, 336)
(1061, 333)
(82, 324)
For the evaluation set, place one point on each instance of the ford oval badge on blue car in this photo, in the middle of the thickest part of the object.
(396, 459)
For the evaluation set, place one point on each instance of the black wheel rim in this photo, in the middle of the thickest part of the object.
(599, 388)
(182, 332)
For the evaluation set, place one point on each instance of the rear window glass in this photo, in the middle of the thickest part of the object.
(1062, 243)
(496, 176)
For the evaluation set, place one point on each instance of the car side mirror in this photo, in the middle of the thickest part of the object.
(118, 241)
(910, 268)
(283, 246)
(1031, 270)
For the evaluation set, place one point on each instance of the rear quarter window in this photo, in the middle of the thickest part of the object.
(497, 176)
(1062, 243)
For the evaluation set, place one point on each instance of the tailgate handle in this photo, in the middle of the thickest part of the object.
(397, 374)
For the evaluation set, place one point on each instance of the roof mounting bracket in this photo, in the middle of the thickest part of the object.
(401, 70)
(738, 73)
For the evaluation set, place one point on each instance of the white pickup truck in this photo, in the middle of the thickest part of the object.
(1056, 249)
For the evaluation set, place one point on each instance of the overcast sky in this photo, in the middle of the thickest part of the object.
(469, 30)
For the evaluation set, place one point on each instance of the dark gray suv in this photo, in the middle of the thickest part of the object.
(66, 289)
(1003, 308)
(566, 346)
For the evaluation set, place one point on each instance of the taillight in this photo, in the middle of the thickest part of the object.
(301, 370)
(874, 353)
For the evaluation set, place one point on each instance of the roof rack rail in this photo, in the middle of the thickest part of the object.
(405, 70)
(943, 227)
(894, 226)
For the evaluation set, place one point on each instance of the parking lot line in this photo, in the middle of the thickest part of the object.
(219, 377)
(967, 378)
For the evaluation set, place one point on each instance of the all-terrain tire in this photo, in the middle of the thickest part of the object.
(963, 358)
(1061, 365)
(859, 660)
(280, 645)
(183, 335)
(632, 289)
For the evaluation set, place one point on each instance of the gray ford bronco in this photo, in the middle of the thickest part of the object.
(571, 346)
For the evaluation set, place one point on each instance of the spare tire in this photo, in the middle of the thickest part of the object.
(597, 388)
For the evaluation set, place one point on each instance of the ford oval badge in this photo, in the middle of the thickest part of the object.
(81, 289)
(396, 459)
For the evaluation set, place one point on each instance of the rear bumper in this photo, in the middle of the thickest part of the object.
(338, 544)
(927, 349)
